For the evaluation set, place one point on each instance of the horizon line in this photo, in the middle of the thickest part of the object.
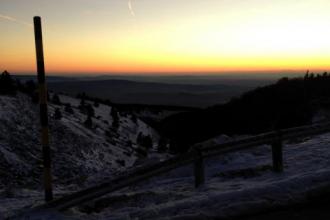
(173, 73)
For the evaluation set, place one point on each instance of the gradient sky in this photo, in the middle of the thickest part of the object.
(102, 36)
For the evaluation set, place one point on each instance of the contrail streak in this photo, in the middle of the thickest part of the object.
(12, 19)
(130, 7)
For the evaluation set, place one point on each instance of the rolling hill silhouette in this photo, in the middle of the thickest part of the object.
(287, 103)
(152, 93)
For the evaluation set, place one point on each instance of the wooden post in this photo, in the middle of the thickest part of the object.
(43, 110)
(198, 167)
(277, 153)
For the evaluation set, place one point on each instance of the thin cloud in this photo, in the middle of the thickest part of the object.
(130, 7)
(12, 19)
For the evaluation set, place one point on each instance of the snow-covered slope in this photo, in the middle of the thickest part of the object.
(81, 156)
(237, 183)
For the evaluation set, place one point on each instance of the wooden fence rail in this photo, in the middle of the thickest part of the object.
(195, 156)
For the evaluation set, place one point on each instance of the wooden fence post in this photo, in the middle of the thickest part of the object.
(277, 147)
(43, 110)
(198, 167)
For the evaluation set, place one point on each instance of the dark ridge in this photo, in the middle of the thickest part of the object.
(287, 103)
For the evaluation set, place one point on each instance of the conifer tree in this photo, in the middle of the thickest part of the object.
(68, 108)
(89, 123)
(115, 118)
(7, 84)
(56, 99)
(57, 114)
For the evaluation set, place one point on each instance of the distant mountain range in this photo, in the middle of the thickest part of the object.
(190, 91)
(124, 91)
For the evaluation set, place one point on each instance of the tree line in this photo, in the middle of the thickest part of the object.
(287, 103)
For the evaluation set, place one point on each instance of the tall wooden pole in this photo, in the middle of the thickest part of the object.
(43, 110)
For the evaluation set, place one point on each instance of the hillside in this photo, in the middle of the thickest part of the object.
(81, 155)
(89, 145)
(239, 183)
(287, 103)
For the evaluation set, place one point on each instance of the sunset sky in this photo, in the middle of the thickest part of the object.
(116, 36)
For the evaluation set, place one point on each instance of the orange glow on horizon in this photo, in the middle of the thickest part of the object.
(208, 36)
(164, 64)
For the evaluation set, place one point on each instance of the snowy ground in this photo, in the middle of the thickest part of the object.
(238, 183)
(81, 156)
